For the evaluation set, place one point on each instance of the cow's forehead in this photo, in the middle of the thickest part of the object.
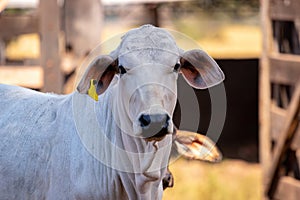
(148, 36)
(148, 44)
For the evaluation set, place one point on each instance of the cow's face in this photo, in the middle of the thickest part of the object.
(147, 64)
(153, 99)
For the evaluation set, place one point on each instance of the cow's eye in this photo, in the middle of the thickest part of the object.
(177, 67)
(122, 70)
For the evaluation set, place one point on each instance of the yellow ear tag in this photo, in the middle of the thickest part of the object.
(92, 90)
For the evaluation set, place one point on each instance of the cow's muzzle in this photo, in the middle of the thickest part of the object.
(154, 126)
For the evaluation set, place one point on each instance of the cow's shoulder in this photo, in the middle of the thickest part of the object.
(24, 110)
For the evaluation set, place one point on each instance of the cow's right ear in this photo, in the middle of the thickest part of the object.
(100, 72)
(200, 70)
(196, 146)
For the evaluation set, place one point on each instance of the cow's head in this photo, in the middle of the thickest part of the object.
(145, 68)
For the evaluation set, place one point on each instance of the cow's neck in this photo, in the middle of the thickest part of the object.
(140, 163)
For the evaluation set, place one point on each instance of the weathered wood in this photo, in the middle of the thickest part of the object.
(265, 94)
(275, 93)
(50, 48)
(18, 24)
(284, 139)
(284, 97)
(26, 76)
(298, 151)
(2, 51)
(83, 21)
(284, 69)
(288, 189)
(152, 14)
(296, 141)
(284, 10)
(277, 119)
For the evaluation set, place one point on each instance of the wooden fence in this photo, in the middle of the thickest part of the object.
(280, 99)
(67, 33)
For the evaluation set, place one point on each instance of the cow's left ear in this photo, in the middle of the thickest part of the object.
(196, 146)
(200, 70)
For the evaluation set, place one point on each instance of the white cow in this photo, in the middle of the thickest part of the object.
(115, 145)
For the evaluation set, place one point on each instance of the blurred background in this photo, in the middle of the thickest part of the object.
(43, 43)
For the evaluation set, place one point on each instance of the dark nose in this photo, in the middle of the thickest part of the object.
(155, 125)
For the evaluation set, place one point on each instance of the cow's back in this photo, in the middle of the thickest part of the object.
(27, 121)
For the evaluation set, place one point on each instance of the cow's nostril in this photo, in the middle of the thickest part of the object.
(145, 120)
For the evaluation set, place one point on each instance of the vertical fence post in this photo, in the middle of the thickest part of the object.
(50, 48)
(265, 94)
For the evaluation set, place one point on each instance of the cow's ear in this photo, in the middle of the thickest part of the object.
(196, 146)
(100, 73)
(200, 70)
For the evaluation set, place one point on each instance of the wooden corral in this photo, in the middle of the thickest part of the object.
(280, 99)
(67, 33)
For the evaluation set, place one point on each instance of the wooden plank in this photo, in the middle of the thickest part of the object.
(284, 139)
(2, 52)
(17, 25)
(26, 76)
(298, 154)
(284, 10)
(152, 14)
(50, 48)
(296, 141)
(288, 189)
(277, 119)
(284, 68)
(265, 94)
(83, 20)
